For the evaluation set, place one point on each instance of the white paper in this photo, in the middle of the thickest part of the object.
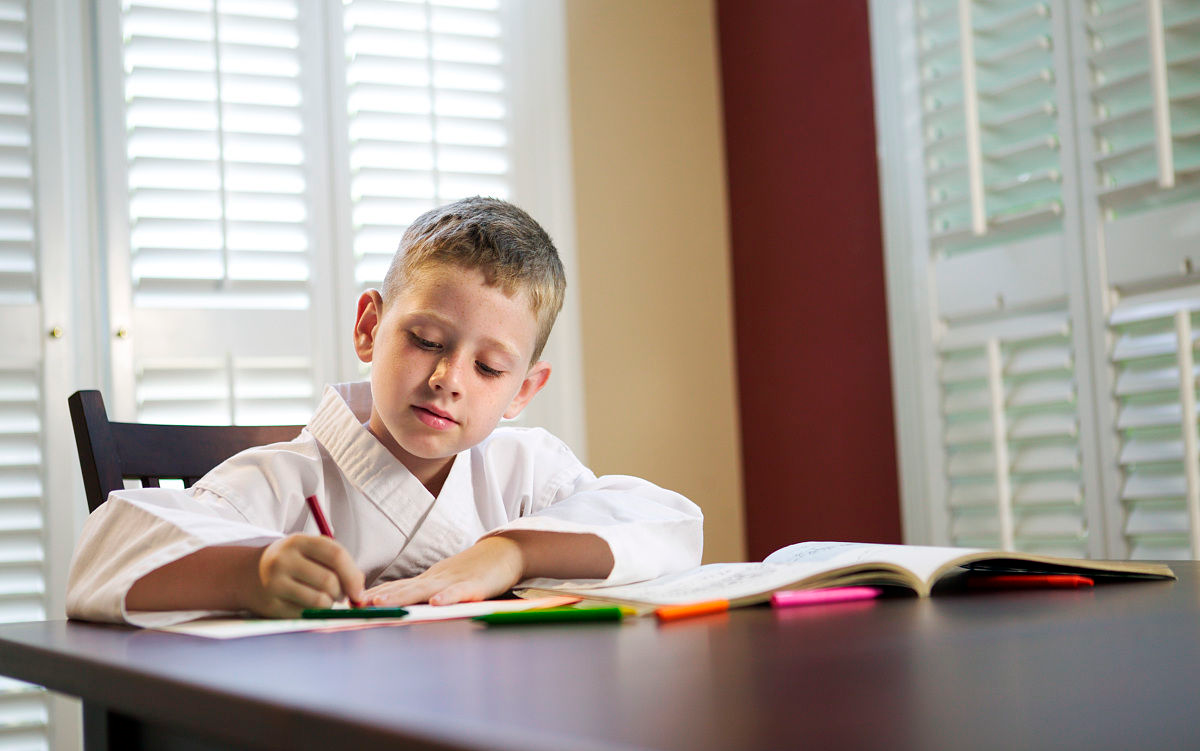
(234, 628)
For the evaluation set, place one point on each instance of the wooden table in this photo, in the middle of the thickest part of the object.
(1117, 666)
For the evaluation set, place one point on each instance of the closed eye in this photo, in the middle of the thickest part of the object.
(488, 371)
(423, 343)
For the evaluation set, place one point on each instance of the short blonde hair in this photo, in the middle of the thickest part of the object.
(494, 237)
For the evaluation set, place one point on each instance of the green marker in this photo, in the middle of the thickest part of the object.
(554, 615)
(353, 612)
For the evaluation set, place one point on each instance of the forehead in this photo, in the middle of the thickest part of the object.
(463, 300)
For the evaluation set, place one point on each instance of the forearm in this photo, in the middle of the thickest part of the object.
(561, 555)
(214, 578)
(497, 562)
(277, 581)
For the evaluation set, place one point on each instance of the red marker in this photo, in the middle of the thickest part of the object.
(326, 530)
(1029, 581)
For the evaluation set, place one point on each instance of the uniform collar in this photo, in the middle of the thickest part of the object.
(338, 425)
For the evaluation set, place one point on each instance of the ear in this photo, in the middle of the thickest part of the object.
(535, 379)
(366, 323)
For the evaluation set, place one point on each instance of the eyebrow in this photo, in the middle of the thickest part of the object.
(442, 320)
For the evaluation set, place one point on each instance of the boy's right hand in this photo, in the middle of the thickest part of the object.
(303, 571)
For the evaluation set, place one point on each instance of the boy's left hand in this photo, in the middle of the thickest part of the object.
(488, 568)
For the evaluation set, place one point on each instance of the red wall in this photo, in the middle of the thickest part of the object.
(811, 318)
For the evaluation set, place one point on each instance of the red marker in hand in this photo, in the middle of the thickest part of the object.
(326, 530)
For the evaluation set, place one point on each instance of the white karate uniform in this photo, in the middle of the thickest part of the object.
(517, 478)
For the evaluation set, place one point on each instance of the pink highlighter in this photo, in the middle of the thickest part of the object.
(796, 598)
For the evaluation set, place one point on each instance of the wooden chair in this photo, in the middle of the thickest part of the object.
(110, 452)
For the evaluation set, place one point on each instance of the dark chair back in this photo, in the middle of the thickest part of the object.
(111, 452)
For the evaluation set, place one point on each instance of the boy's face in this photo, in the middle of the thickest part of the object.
(450, 357)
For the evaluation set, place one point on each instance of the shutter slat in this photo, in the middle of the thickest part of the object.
(428, 109)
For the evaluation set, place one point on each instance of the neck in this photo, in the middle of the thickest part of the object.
(434, 482)
(432, 473)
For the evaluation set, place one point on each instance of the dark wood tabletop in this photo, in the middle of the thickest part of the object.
(1116, 666)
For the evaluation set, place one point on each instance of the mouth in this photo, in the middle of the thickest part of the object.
(433, 417)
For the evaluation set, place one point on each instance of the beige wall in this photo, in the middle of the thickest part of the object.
(652, 241)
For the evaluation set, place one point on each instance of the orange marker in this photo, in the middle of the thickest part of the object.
(675, 612)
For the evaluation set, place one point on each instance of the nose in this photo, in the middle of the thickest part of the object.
(447, 376)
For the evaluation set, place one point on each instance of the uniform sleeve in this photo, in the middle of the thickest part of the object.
(651, 531)
(137, 531)
(252, 498)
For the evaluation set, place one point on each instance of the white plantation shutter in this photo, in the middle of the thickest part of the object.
(1150, 421)
(1004, 463)
(24, 711)
(1144, 57)
(428, 115)
(1150, 325)
(221, 233)
(989, 105)
(18, 258)
(1053, 252)
(1140, 145)
(23, 708)
(216, 156)
(1025, 494)
(21, 558)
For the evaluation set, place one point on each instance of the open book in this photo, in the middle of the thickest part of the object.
(812, 565)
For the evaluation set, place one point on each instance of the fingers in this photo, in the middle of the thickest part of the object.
(305, 571)
(286, 599)
(413, 595)
(421, 588)
(402, 592)
(309, 571)
(347, 578)
(484, 570)
(307, 575)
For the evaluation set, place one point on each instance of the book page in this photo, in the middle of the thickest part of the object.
(821, 564)
(925, 561)
(714, 581)
(922, 560)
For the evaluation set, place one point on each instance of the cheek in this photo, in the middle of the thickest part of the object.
(485, 391)
(409, 362)
(506, 394)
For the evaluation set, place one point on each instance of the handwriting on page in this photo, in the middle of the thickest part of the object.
(813, 552)
(713, 581)
(922, 560)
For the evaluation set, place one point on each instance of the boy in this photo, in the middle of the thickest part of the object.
(429, 501)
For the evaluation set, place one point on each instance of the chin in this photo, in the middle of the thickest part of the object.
(429, 453)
